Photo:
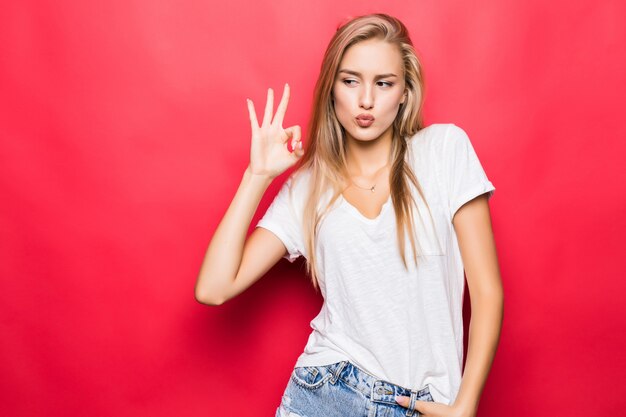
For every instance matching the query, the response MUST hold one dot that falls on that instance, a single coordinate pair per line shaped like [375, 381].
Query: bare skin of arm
[472, 223]
[233, 263]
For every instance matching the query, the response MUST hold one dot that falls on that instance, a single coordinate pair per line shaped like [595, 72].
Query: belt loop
[411, 410]
[337, 371]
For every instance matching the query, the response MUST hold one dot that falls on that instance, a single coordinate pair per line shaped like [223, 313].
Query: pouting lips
[365, 116]
[365, 120]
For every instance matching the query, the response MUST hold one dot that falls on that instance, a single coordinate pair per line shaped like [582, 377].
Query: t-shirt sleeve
[283, 218]
[466, 178]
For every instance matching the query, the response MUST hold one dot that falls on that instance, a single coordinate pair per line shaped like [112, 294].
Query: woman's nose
[366, 99]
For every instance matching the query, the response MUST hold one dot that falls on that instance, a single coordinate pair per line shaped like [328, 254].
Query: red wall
[123, 137]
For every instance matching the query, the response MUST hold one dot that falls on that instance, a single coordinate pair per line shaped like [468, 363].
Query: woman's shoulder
[441, 138]
[298, 181]
[431, 133]
[429, 139]
[300, 174]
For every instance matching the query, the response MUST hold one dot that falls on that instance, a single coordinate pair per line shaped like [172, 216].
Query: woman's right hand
[269, 154]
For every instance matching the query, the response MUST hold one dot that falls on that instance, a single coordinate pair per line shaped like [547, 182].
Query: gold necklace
[373, 187]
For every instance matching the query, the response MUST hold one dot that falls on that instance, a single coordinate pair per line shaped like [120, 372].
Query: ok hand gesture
[269, 154]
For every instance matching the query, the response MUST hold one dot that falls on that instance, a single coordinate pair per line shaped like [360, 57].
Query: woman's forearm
[484, 334]
[224, 253]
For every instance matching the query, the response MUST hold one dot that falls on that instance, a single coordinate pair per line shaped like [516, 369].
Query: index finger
[252, 113]
[282, 106]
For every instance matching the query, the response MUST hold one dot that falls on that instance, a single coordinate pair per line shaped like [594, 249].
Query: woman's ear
[403, 97]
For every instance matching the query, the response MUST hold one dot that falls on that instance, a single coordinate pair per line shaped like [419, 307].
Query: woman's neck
[365, 158]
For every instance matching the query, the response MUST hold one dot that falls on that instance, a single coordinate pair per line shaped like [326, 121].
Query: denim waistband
[377, 390]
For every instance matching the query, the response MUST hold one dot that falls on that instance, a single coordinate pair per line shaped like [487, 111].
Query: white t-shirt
[405, 327]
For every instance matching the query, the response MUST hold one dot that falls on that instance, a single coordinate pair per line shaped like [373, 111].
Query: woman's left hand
[433, 409]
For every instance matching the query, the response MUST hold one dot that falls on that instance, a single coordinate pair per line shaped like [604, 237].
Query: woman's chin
[365, 135]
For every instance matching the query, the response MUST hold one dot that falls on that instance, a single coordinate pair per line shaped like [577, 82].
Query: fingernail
[300, 144]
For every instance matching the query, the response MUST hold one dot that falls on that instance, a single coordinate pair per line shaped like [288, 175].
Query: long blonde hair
[325, 156]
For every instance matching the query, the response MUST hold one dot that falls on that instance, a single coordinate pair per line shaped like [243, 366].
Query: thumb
[402, 400]
[419, 404]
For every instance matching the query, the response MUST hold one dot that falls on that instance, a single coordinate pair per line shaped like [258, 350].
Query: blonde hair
[325, 156]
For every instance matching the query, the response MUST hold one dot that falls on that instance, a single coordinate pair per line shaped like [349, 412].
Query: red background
[124, 135]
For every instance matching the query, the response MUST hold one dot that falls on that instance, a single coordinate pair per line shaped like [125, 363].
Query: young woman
[388, 214]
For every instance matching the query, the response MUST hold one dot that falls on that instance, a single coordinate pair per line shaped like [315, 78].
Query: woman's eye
[384, 83]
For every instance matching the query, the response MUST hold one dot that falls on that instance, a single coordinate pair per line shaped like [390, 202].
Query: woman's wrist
[464, 410]
[260, 178]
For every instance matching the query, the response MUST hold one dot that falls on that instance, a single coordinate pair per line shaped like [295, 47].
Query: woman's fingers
[295, 133]
[282, 106]
[296, 142]
[252, 113]
[298, 150]
[269, 107]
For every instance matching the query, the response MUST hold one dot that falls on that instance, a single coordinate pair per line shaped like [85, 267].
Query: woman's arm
[232, 263]
[224, 254]
[472, 223]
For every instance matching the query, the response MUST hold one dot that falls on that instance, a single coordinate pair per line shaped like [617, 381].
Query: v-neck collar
[356, 213]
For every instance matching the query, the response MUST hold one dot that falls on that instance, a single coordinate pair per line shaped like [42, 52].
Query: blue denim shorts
[344, 390]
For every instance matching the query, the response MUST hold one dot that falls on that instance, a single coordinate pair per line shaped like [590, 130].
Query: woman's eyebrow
[358, 74]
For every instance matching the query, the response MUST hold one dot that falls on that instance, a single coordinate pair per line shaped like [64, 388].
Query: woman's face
[369, 81]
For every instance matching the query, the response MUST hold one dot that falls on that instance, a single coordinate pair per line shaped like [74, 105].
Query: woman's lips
[365, 120]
